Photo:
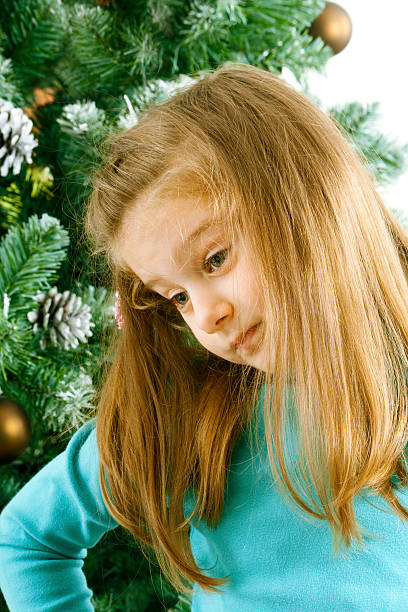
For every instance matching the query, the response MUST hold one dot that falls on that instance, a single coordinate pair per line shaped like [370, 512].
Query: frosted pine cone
[63, 315]
[16, 139]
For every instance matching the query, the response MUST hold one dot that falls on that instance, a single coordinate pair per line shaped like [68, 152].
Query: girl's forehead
[168, 226]
[173, 214]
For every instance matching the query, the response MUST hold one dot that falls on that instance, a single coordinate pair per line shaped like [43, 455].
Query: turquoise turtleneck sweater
[276, 560]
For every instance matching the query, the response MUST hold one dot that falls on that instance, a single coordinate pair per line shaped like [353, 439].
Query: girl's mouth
[246, 340]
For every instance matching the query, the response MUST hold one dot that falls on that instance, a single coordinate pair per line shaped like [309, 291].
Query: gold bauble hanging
[333, 25]
[15, 430]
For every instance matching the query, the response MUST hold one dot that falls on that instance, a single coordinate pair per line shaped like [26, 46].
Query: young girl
[252, 427]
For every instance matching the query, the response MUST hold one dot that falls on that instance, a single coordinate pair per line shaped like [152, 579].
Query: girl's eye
[215, 261]
[182, 302]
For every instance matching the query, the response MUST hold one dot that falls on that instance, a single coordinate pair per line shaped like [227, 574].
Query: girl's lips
[247, 339]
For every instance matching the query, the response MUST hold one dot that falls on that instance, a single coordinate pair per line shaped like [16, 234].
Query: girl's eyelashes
[210, 264]
[218, 260]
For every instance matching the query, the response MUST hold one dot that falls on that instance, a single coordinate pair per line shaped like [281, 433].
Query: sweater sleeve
[46, 529]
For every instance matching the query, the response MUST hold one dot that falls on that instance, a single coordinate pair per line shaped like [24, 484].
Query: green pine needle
[30, 256]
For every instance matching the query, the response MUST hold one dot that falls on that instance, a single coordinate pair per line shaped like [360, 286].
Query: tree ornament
[67, 320]
[15, 430]
[16, 139]
[334, 26]
[42, 97]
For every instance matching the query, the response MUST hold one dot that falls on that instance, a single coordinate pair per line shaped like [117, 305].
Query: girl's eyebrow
[190, 239]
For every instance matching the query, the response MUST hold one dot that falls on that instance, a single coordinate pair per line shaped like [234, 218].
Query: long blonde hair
[332, 262]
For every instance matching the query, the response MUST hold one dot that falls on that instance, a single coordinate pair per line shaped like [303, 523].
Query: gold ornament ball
[333, 25]
[15, 430]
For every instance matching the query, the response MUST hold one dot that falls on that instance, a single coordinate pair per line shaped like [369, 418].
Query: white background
[373, 67]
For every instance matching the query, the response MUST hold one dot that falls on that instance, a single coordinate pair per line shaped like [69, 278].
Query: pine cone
[67, 320]
[16, 139]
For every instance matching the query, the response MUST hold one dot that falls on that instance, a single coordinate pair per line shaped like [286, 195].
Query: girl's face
[178, 252]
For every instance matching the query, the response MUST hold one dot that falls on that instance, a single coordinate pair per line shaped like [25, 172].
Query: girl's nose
[211, 314]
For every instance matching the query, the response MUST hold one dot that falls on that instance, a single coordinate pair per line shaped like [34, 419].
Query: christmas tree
[71, 73]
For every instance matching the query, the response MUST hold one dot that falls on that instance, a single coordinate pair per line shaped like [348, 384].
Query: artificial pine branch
[30, 256]
[58, 397]
[8, 86]
[35, 37]
[11, 205]
[385, 158]
[15, 343]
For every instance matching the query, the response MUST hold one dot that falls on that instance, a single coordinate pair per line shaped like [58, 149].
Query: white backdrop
[373, 67]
